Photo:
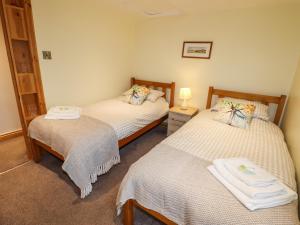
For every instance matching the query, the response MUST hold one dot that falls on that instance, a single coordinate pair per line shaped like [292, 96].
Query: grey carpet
[12, 153]
[39, 194]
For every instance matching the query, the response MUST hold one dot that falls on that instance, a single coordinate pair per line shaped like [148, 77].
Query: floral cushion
[261, 110]
[136, 95]
[236, 114]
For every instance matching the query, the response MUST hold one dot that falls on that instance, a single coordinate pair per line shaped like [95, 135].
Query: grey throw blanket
[89, 146]
[178, 185]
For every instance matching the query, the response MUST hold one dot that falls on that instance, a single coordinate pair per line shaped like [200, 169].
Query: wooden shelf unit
[18, 29]
[22, 56]
[26, 83]
[16, 3]
[16, 22]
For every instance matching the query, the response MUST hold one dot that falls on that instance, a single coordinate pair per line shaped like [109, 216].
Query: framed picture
[197, 49]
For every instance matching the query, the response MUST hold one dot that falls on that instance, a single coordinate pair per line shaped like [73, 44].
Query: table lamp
[185, 94]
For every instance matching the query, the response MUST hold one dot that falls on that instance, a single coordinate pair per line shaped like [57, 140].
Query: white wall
[9, 117]
[92, 47]
[255, 50]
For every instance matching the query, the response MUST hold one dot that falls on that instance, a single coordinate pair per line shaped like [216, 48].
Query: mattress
[172, 179]
[125, 118]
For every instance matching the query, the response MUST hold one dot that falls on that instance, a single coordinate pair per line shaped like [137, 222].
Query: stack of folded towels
[63, 113]
[250, 184]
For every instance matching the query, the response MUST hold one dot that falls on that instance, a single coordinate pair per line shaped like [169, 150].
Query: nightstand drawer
[175, 122]
[173, 128]
[170, 132]
[178, 117]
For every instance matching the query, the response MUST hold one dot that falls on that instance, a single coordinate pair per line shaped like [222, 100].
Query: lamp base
[183, 108]
[184, 105]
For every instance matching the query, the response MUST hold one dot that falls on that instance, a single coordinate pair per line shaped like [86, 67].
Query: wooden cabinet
[17, 22]
[178, 117]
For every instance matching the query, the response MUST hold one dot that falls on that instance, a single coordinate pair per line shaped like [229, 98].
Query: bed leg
[128, 214]
[36, 152]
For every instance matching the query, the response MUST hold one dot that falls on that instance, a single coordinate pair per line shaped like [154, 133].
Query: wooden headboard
[265, 99]
[158, 85]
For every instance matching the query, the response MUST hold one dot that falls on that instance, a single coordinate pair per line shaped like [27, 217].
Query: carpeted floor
[12, 153]
[39, 194]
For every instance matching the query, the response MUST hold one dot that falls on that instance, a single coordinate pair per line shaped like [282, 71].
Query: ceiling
[158, 8]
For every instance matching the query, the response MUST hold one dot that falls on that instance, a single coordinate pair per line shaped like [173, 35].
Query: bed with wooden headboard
[167, 88]
[130, 204]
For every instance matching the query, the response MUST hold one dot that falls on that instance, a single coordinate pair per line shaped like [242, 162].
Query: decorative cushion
[135, 95]
[154, 95]
[261, 110]
[236, 114]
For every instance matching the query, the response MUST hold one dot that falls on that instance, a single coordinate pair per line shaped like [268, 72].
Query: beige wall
[291, 124]
[91, 45]
[97, 48]
[9, 117]
[255, 50]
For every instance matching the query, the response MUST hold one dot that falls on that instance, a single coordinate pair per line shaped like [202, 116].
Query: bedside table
[178, 117]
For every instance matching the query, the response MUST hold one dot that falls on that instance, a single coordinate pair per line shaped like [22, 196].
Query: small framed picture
[197, 49]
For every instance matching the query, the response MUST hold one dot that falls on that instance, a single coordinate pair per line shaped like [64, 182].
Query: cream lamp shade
[185, 94]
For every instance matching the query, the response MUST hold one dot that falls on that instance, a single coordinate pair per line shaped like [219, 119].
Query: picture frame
[197, 49]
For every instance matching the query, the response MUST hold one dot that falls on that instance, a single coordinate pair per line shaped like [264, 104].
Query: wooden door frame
[13, 71]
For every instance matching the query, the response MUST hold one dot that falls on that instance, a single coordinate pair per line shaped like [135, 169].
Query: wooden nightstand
[178, 117]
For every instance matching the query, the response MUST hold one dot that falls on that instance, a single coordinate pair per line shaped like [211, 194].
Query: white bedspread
[173, 180]
[126, 118]
[263, 143]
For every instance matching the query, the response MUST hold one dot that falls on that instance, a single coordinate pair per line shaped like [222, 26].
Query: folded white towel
[253, 204]
[63, 112]
[252, 192]
[61, 117]
[249, 173]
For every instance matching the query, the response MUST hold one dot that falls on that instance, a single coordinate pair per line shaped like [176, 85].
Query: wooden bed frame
[37, 146]
[128, 208]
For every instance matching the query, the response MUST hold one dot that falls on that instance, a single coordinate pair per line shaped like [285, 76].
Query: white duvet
[126, 118]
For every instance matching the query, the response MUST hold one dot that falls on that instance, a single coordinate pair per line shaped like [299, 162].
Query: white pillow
[261, 110]
[128, 92]
[154, 95]
[125, 98]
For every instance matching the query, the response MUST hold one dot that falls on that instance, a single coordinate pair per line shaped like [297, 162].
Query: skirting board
[10, 135]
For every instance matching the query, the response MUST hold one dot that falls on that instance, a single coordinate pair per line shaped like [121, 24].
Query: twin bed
[128, 121]
[89, 145]
[172, 182]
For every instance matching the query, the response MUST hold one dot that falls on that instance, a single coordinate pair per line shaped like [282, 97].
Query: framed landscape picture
[197, 49]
